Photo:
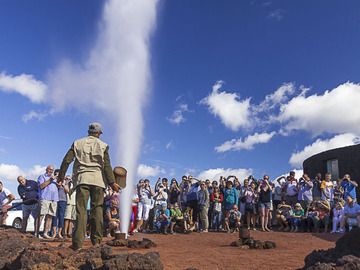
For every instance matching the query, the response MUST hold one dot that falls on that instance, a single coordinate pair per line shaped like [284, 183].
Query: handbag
[217, 207]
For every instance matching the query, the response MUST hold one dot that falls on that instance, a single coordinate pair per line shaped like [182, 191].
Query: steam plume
[115, 79]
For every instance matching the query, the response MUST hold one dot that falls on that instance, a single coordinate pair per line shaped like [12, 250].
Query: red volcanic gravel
[213, 250]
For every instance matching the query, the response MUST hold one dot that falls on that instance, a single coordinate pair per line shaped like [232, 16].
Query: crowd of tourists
[286, 204]
[192, 205]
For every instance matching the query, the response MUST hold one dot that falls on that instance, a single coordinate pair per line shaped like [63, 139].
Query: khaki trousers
[96, 194]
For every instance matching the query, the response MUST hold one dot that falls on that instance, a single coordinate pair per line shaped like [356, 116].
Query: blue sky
[253, 47]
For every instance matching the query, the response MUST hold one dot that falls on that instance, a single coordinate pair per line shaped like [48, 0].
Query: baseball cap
[95, 127]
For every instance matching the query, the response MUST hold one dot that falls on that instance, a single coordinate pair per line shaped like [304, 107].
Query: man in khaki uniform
[92, 172]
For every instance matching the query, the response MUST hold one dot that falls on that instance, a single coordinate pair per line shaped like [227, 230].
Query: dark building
[338, 162]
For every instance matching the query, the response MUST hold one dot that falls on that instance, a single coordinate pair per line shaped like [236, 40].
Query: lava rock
[269, 245]
[148, 261]
[345, 255]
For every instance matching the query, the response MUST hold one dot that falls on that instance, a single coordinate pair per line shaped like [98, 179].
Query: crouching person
[234, 219]
[112, 218]
[351, 214]
[296, 217]
[162, 219]
[177, 218]
[323, 216]
[338, 215]
[282, 216]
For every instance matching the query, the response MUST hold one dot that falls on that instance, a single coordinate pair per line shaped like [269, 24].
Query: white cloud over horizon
[229, 107]
[25, 85]
[149, 171]
[10, 172]
[214, 174]
[320, 145]
[247, 143]
[335, 111]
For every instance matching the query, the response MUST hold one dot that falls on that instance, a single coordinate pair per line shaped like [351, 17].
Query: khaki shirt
[92, 162]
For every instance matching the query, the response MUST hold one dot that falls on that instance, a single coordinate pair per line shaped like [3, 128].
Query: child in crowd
[297, 214]
[338, 214]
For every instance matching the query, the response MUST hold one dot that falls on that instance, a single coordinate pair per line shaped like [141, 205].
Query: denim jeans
[58, 220]
[216, 220]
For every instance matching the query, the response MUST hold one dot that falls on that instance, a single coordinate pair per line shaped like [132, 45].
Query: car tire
[17, 223]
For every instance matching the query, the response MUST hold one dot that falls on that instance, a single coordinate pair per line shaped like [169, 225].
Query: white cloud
[336, 111]
[24, 84]
[277, 98]
[33, 115]
[233, 112]
[169, 145]
[214, 174]
[149, 171]
[177, 116]
[277, 14]
[245, 144]
[10, 172]
[319, 146]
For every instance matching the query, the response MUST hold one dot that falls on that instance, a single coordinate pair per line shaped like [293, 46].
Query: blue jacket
[230, 196]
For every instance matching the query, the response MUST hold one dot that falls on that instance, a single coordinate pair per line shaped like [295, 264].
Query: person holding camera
[349, 187]
[264, 190]
[174, 192]
[305, 195]
[290, 189]
[145, 194]
[49, 196]
[59, 219]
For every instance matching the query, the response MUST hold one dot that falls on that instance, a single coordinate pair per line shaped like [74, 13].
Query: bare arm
[10, 198]
[46, 183]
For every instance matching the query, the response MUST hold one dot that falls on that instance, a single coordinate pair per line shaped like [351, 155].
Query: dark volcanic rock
[12, 244]
[144, 243]
[25, 252]
[345, 255]
[149, 261]
[246, 243]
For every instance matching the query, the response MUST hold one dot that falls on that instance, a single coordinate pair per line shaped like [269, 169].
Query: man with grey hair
[29, 193]
[49, 196]
[92, 172]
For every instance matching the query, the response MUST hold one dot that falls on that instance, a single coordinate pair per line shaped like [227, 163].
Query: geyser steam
[115, 79]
